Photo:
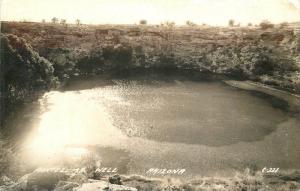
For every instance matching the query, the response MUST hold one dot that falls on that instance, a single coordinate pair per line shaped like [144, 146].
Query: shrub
[231, 22]
[266, 25]
[143, 22]
[119, 56]
[190, 23]
[283, 25]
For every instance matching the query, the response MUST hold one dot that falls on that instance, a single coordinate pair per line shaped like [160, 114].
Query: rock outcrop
[23, 71]
[60, 181]
[268, 55]
[103, 186]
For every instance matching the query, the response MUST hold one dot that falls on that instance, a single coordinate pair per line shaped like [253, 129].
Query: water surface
[206, 127]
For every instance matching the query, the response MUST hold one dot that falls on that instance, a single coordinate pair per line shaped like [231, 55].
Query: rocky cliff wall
[269, 55]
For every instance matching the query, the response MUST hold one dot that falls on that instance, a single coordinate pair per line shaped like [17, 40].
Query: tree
[63, 21]
[231, 23]
[43, 21]
[78, 22]
[249, 24]
[54, 20]
[143, 22]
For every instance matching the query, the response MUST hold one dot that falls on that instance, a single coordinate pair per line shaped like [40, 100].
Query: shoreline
[293, 100]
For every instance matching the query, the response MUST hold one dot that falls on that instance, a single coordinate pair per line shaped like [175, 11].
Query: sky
[213, 12]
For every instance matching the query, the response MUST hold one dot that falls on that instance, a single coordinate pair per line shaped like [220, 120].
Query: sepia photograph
[150, 95]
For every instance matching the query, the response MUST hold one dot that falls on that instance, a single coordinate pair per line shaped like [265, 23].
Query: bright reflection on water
[72, 119]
